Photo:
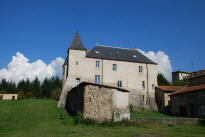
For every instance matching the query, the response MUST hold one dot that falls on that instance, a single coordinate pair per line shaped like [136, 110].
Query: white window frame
[114, 67]
[77, 80]
[97, 64]
[97, 79]
[140, 69]
[119, 83]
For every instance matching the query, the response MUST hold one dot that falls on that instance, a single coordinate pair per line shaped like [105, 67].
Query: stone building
[163, 99]
[189, 101]
[8, 96]
[197, 80]
[113, 66]
[98, 102]
[180, 75]
[197, 73]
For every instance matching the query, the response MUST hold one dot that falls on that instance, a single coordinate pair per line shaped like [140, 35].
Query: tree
[162, 81]
[26, 87]
[46, 88]
[184, 82]
[55, 93]
[21, 95]
[36, 88]
[9, 87]
[3, 92]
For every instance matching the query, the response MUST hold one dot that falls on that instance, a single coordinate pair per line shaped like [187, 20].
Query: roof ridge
[114, 47]
[77, 43]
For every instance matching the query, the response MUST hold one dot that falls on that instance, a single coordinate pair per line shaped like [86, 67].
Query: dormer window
[97, 52]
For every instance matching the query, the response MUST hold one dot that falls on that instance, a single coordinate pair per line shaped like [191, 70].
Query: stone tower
[76, 49]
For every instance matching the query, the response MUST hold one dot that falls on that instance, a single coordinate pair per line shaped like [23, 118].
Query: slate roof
[120, 54]
[77, 43]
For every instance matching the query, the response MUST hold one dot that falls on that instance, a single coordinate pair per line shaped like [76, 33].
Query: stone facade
[189, 102]
[162, 96]
[8, 96]
[197, 80]
[98, 102]
[141, 84]
[180, 75]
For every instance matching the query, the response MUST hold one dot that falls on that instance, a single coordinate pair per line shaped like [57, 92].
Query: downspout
[148, 88]
[102, 71]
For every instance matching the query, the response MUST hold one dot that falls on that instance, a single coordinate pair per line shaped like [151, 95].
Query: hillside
[41, 118]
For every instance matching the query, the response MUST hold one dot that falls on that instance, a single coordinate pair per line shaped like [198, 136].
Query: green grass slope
[41, 118]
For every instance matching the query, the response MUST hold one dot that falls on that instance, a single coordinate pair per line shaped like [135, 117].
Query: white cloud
[20, 68]
[163, 61]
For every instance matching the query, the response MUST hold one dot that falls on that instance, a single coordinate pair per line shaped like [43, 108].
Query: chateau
[112, 66]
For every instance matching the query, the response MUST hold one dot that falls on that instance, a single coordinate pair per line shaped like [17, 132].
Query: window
[140, 68]
[143, 84]
[143, 98]
[78, 80]
[119, 83]
[153, 86]
[97, 79]
[97, 64]
[76, 63]
[114, 67]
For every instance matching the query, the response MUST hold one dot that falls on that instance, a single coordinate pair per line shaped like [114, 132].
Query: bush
[3, 92]
[78, 118]
[131, 108]
[21, 95]
[55, 94]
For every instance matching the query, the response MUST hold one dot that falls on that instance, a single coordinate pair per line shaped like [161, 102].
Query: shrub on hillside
[21, 95]
[3, 92]
[55, 93]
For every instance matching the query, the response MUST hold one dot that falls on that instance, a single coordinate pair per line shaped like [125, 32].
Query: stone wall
[98, 102]
[190, 104]
[162, 100]
[172, 121]
[197, 80]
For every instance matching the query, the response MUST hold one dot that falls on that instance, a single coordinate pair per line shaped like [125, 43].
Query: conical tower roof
[77, 43]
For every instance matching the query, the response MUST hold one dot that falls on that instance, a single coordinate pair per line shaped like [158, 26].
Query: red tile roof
[88, 50]
[170, 88]
[189, 89]
[200, 75]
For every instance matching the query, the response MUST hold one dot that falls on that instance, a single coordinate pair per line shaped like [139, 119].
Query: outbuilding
[189, 101]
[8, 96]
[98, 102]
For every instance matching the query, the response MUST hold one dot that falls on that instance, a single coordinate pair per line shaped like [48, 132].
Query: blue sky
[44, 29]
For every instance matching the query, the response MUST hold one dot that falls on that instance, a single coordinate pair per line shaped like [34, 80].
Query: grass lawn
[41, 118]
[149, 114]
